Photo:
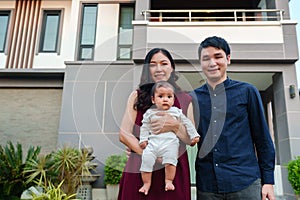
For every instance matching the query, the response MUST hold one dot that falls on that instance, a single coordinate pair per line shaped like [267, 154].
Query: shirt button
[217, 165]
[215, 121]
[216, 150]
[215, 95]
[215, 107]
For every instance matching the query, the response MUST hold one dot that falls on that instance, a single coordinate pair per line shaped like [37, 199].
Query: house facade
[67, 67]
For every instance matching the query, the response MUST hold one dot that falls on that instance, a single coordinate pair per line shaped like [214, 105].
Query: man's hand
[165, 124]
[267, 192]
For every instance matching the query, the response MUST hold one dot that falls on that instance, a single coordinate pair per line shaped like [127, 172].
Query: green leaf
[113, 169]
[294, 174]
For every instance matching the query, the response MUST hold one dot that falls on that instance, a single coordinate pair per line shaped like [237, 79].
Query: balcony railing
[213, 15]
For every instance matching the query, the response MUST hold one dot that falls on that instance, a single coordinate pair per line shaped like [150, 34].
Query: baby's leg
[148, 160]
[170, 171]
[146, 177]
[169, 154]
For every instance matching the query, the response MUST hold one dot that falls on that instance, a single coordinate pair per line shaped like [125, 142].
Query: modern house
[68, 66]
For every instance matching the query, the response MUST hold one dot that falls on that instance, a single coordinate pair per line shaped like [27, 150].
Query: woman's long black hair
[146, 83]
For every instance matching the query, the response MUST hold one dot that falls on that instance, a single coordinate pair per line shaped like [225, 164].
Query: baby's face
[163, 98]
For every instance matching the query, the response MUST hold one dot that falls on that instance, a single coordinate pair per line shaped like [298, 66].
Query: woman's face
[160, 67]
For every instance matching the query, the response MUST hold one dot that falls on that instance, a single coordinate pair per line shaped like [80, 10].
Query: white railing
[213, 15]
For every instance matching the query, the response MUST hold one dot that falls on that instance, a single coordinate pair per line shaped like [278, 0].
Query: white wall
[68, 40]
[235, 33]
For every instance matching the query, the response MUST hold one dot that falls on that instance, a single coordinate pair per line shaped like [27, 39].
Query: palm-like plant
[72, 165]
[53, 192]
[66, 161]
[40, 170]
[12, 180]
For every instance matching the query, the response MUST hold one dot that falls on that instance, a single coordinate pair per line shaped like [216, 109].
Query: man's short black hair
[216, 42]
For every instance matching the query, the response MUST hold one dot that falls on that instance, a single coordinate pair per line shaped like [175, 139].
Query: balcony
[212, 15]
[254, 34]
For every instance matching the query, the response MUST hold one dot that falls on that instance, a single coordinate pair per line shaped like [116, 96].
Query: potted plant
[114, 166]
[294, 175]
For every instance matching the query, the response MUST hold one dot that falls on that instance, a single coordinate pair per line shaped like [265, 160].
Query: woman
[158, 66]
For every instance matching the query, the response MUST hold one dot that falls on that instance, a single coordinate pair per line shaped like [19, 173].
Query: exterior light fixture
[292, 91]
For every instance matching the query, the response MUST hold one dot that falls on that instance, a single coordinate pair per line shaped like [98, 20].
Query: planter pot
[112, 191]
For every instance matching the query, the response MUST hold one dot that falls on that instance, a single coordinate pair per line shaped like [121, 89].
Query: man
[236, 155]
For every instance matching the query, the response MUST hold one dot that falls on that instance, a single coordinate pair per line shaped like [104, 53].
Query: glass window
[4, 20]
[88, 32]
[50, 31]
[125, 31]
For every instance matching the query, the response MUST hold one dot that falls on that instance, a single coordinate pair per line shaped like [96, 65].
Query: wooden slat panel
[23, 41]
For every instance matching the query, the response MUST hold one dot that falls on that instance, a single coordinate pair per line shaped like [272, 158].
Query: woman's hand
[166, 123]
[143, 144]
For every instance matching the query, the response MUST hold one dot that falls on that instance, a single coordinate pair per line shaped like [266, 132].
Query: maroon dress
[131, 180]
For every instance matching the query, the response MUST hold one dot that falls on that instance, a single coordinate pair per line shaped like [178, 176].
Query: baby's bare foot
[169, 186]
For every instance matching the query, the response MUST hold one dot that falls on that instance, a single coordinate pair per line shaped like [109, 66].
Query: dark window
[88, 32]
[50, 31]
[4, 21]
[125, 31]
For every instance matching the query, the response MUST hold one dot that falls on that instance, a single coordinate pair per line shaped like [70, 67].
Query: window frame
[45, 14]
[124, 5]
[80, 45]
[4, 13]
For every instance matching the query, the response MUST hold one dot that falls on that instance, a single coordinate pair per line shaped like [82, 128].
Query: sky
[295, 15]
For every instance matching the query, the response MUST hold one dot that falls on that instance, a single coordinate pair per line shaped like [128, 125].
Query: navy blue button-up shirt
[235, 147]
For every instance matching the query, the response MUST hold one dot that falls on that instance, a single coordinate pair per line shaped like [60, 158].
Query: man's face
[214, 64]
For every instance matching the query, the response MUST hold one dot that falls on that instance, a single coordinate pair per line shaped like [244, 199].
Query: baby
[164, 145]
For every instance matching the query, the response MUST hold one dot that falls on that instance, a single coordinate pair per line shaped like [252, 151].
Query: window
[50, 31]
[4, 21]
[88, 32]
[125, 32]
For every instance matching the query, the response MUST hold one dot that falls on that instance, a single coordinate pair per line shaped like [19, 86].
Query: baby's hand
[195, 141]
[143, 144]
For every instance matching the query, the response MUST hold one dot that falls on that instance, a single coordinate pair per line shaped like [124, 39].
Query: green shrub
[12, 164]
[114, 166]
[61, 170]
[294, 174]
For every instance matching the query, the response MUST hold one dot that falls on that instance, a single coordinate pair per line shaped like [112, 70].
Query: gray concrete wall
[94, 99]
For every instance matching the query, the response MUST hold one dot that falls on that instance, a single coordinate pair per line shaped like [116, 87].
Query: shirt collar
[223, 84]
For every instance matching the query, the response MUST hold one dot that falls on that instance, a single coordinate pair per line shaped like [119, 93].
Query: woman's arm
[125, 134]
